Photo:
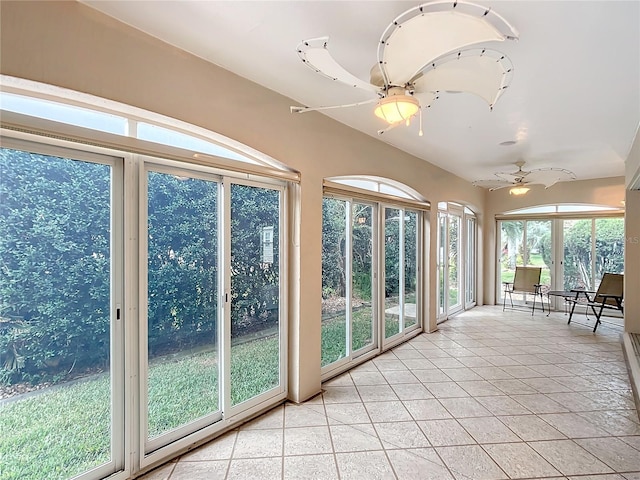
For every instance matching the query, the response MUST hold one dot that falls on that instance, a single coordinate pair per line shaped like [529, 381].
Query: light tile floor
[488, 396]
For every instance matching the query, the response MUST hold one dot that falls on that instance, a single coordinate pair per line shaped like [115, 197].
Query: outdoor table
[573, 293]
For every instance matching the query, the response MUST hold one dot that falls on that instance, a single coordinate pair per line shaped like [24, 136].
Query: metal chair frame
[609, 296]
[525, 280]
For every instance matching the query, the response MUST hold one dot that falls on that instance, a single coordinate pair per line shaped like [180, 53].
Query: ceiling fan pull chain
[420, 131]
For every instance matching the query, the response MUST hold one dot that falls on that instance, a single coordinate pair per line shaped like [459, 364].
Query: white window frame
[81, 141]
[156, 450]
[119, 463]
[344, 191]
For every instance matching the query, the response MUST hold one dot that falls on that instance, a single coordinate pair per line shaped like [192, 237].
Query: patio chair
[526, 280]
[609, 296]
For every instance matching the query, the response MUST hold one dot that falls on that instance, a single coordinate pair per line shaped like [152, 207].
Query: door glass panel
[538, 248]
[55, 316]
[609, 246]
[392, 271]
[182, 314]
[255, 291]
[511, 244]
[578, 254]
[410, 267]
[454, 256]
[470, 275]
[442, 263]
[334, 300]
[362, 320]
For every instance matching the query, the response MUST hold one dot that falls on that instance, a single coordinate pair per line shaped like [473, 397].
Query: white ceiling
[574, 101]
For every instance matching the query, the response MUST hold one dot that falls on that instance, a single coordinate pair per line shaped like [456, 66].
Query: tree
[578, 251]
[513, 231]
[182, 262]
[609, 246]
[55, 264]
[333, 247]
[255, 279]
[362, 250]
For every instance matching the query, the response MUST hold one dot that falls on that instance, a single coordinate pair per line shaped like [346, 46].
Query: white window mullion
[224, 277]
[135, 329]
[143, 330]
[132, 128]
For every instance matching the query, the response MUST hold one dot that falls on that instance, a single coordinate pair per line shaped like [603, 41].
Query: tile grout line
[233, 449]
[333, 447]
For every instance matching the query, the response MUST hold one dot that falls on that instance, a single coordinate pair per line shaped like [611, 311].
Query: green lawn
[66, 428]
[334, 334]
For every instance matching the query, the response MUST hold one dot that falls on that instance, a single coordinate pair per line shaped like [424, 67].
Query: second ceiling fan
[520, 179]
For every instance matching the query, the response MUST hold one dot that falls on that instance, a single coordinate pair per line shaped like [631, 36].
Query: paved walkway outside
[491, 395]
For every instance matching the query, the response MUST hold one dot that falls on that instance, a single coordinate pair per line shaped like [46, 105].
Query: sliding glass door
[142, 304]
[456, 264]
[393, 284]
[442, 265]
[526, 243]
[592, 246]
[348, 283]
[61, 328]
[363, 325]
[401, 267]
[256, 334]
[214, 339]
[572, 252]
[411, 279]
[183, 325]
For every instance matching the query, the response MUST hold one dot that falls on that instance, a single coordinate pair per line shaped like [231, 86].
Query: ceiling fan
[423, 52]
[520, 179]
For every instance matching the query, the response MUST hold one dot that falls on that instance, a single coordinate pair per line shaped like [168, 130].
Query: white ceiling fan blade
[426, 98]
[485, 73]
[492, 184]
[427, 32]
[550, 176]
[297, 109]
[314, 53]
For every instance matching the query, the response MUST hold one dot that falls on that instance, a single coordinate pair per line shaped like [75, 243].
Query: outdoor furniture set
[608, 297]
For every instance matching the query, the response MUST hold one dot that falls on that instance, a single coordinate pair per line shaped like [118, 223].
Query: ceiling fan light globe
[518, 190]
[397, 108]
